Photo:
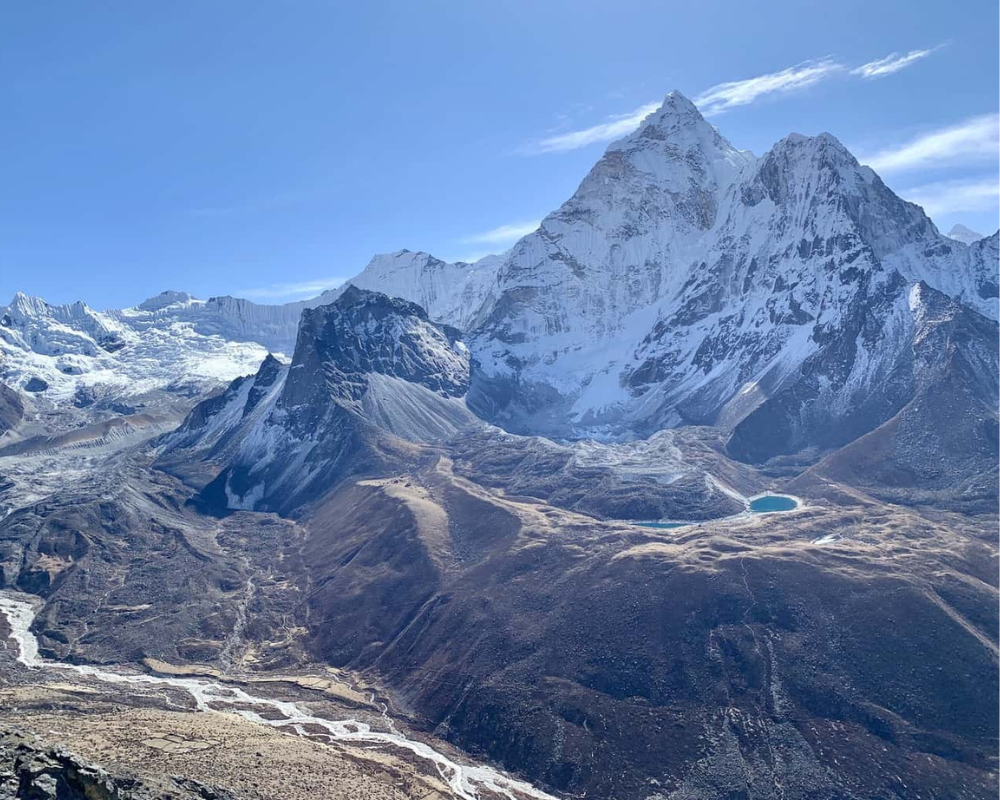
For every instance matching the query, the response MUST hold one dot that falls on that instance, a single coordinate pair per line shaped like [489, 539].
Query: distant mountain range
[686, 282]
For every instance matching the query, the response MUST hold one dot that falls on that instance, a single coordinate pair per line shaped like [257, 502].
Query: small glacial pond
[765, 504]
[772, 502]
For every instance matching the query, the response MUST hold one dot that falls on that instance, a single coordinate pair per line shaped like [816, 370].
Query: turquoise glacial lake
[772, 502]
[761, 505]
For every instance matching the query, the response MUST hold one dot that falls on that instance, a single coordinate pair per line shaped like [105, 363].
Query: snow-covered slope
[982, 292]
[454, 294]
[216, 426]
[232, 318]
[623, 241]
[812, 246]
[73, 354]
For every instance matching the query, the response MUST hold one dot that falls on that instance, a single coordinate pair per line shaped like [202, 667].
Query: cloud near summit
[729, 95]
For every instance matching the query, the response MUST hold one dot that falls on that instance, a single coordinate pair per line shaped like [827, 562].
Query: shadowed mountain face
[371, 379]
[369, 372]
[937, 440]
[11, 408]
[695, 327]
[927, 346]
[363, 333]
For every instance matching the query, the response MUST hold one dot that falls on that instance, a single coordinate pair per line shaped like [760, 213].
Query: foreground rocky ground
[31, 769]
[95, 741]
[149, 753]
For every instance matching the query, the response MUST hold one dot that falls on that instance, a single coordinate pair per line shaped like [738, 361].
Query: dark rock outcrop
[32, 770]
[11, 408]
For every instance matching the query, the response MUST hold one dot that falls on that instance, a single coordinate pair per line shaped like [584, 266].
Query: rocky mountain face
[372, 373]
[216, 426]
[983, 255]
[368, 370]
[367, 333]
[11, 408]
[891, 351]
[930, 427]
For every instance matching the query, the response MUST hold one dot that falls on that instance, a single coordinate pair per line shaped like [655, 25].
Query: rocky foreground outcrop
[32, 770]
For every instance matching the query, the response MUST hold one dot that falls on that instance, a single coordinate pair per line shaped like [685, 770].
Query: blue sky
[269, 149]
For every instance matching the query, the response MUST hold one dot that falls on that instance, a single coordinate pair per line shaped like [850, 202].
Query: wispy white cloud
[715, 100]
[724, 96]
[614, 128]
[291, 291]
[956, 196]
[504, 234]
[975, 139]
[893, 62]
[498, 239]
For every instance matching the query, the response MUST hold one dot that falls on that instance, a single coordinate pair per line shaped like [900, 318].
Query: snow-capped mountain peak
[166, 299]
[452, 293]
[72, 354]
[73, 328]
[960, 233]
[685, 280]
[26, 305]
[685, 275]
[677, 135]
[823, 157]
